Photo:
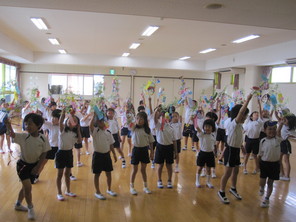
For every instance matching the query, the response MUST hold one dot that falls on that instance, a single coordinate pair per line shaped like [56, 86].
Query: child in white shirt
[103, 143]
[176, 124]
[206, 156]
[142, 140]
[232, 152]
[53, 137]
[34, 147]
[252, 130]
[269, 158]
[166, 148]
[69, 135]
[113, 127]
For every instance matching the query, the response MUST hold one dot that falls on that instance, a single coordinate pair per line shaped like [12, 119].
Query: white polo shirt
[31, 147]
[270, 149]
[285, 132]
[207, 141]
[235, 134]
[165, 136]
[177, 129]
[188, 113]
[53, 135]
[140, 138]
[253, 128]
[113, 126]
[67, 140]
[102, 140]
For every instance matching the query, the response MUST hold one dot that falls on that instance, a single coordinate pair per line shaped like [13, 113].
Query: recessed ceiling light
[150, 30]
[207, 50]
[184, 58]
[247, 38]
[62, 51]
[40, 24]
[54, 41]
[126, 54]
[134, 45]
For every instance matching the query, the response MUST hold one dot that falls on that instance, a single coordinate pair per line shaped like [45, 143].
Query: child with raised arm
[69, 135]
[232, 152]
[252, 130]
[53, 137]
[142, 140]
[126, 112]
[176, 124]
[206, 156]
[114, 129]
[103, 143]
[188, 130]
[288, 131]
[34, 147]
[166, 148]
[269, 159]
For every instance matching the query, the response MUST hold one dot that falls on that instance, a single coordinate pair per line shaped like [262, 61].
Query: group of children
[152, 135]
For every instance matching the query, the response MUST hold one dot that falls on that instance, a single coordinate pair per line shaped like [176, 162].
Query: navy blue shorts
[85, 132]
[269, 170]
[116, 144]
[125, 132]
[221, 135]
[24, 170]
[101, 162]
[64, 159]
[231, 156]
[140, 154]
[252, 145]
[205, 158]
[164, 153]
[51, 153]
[286, 147]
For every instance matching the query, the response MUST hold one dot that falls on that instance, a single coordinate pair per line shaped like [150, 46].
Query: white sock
[208, 178]
[197, 178]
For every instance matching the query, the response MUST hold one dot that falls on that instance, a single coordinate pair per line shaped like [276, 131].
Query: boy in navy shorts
[34, 147]
[269, 159]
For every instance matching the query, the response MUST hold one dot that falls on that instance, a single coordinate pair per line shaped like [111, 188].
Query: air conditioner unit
[291, 61]
[232, 70]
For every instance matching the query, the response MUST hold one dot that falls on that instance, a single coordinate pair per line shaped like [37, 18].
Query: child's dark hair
[211, 123]
[251, 116]
[269, 123]
[37, 119]
[141, 102]
[146, 125]
[75, 129]
[109, 110]
[141, 108]
[52, 104]
[56, 113]
[235, 110]
[291, 121]
[213, 116]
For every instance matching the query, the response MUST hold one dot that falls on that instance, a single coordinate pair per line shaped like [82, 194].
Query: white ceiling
[97, 32]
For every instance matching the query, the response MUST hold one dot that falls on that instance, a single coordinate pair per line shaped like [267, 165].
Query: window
[7, 81]
[77, 84]
[294, 74]
[88, 85]
[57, 84]
[281, 74]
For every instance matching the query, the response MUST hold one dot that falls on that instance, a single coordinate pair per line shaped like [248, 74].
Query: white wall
[130, 85]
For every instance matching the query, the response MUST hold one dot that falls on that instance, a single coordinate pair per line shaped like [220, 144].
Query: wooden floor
[184, 202]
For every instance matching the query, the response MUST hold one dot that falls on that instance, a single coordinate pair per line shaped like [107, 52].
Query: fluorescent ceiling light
[126, 54]
[62, 51]
[54, 41]
[184, 58]
[134, 45]
[207, 50]
[247, 38]
[150, 30]
[40, 24]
